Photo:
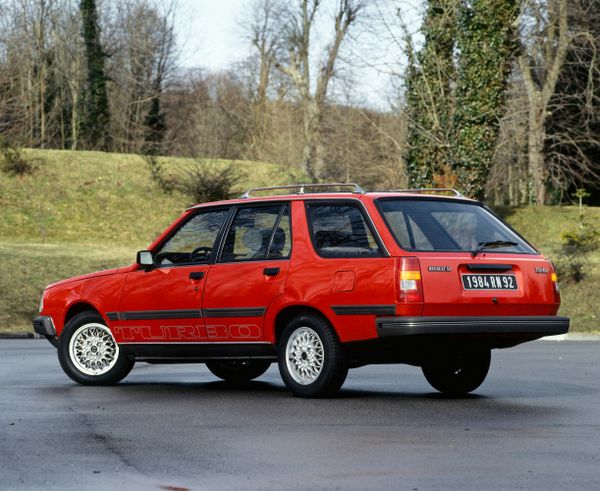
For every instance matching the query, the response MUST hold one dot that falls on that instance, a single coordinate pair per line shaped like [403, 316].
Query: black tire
[112, 368]
[332, 367]
[238, 371]
[459, 374]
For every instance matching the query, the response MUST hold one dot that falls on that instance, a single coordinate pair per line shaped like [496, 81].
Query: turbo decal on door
[198, 333]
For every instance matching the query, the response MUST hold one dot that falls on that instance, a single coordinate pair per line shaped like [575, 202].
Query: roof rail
[429, 191]
[302, 187]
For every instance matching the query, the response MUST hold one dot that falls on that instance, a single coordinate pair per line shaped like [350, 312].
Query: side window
[281, 247]
[194, 240]
[260, 232]
[341, 231]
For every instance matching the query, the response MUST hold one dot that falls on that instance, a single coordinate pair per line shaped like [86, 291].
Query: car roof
[418, 194]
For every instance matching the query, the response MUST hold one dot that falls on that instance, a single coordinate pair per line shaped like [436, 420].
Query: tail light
[410, 287]
[555, 287]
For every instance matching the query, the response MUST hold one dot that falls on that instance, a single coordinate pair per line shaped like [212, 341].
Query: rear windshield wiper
[494, 243]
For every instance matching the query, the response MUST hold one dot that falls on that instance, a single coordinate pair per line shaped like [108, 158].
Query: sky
[209, 32]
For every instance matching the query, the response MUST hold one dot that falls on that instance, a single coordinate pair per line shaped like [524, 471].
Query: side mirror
[145, 259]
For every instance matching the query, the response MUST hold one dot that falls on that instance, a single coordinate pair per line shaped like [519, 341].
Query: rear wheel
[312, 362]
[238, 371]
[459, 374]
[88, 352]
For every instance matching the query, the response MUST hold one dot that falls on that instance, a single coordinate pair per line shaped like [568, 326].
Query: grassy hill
[84, 211]
[96, 197]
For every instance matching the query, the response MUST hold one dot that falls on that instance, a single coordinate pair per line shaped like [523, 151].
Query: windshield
[440, 225]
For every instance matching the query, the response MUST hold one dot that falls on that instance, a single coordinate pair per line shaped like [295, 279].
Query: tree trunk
[535, 152]
[552, 50]
[310, 141]
[536, 164]
[75, 120]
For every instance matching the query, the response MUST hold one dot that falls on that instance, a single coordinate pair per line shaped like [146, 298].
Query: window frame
[229, 222]
[448, 200]
[365, 215]
[187, 219]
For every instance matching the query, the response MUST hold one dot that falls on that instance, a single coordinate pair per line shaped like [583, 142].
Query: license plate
[489, 281]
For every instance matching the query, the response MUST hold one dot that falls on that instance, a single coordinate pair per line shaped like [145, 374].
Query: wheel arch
[291, 311]
[77, 308]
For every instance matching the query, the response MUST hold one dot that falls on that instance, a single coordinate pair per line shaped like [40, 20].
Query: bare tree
[262, 34]
[546, 38]
[142, 59]
[294, 60]
[40, 71]
[572, 147]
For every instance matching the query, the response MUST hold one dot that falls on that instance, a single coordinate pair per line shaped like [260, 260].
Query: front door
[249, 273]
[164, 305]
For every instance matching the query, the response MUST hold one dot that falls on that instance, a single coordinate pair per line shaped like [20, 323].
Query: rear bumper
[530, 327]
[45, 326]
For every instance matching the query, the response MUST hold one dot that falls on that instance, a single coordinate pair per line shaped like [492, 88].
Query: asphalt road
[534, 424]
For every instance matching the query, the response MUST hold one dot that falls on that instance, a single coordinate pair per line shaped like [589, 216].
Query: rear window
[438, 225]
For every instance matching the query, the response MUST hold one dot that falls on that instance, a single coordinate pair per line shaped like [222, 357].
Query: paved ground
[534, 424]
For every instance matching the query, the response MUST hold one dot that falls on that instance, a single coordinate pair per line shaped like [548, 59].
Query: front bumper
[530, 327]
[45, 326]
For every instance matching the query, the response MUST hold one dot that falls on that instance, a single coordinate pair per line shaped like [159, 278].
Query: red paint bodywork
[305, 280]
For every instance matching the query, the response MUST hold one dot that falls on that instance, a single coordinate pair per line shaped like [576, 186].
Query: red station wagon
[319, 282]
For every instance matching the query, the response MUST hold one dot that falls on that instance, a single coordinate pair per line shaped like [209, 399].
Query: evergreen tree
[96, 120]
[429, 91]
[486, 43]
[155, 127]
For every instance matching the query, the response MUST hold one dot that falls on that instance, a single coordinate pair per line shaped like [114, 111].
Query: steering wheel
[200, 254]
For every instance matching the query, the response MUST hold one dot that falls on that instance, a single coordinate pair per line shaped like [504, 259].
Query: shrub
[576, 245]
[12, 162]
[209, 182]
[166, 183]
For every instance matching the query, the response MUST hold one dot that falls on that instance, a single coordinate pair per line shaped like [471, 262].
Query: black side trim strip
[364, 309]
[242, 312]
[407, 326]
[197, 352]
[139, 315]
[491, 267]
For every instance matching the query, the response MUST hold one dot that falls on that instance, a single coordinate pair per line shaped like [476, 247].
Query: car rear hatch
[471, 263]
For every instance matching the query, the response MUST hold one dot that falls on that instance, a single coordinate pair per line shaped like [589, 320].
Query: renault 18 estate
[320, 279]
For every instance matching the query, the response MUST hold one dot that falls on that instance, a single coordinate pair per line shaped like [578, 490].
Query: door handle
[196, 275]
[271, 271]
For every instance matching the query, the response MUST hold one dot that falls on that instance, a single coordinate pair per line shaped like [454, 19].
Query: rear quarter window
[340, 230]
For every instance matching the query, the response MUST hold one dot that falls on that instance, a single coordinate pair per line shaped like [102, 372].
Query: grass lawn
[28, 267]
[85, 211]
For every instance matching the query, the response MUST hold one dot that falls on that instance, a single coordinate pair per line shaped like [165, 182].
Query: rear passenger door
[352, 276]
[249, 273]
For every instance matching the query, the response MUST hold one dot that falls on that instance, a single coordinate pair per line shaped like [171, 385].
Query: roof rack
[302, 187]
[429, 191]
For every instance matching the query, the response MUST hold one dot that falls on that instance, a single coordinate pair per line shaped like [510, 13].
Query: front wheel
[312, 361]
[88, 352]
[238, 371]
[460, 374]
